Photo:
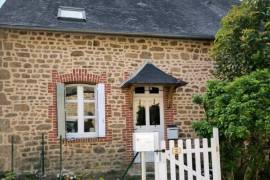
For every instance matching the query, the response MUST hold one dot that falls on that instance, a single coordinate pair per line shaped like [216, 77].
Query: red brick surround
[78, 76]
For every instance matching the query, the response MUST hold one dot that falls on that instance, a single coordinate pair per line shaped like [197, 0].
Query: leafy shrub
[241, 111]
[242, 44]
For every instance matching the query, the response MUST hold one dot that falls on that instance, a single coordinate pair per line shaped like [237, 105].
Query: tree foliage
[242, 44]
[241, 111]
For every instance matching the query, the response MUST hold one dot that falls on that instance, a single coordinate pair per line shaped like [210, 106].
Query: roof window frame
[67, 8]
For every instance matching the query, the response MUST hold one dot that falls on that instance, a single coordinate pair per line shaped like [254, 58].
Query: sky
[1, 2]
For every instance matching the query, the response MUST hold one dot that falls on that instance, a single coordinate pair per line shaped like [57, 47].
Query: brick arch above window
[84, 77]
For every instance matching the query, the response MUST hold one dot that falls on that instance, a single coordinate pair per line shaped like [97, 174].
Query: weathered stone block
[22, 128]
[4, 74]
[77, 53]
[31, 81]
[115, 46]
[108, 57]
[5, 150]
[27, 65]
[15, 64]
[156, 49]
[43, 127]
[145, 55]
[3, 99]
[185, 56]
[21, 107]
[80, 42]
[159, 55]
[23, 54]
[96, 43]
[131, 55]
[121, 150]
[19, 45]
[3, 34]
[8, 46]
[99, 150]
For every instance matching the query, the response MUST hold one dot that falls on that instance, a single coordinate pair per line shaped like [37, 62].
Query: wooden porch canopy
[149, 74]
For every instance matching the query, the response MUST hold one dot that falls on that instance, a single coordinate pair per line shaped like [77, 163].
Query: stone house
[94, 72]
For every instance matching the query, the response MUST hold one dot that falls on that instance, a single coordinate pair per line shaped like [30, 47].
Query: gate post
[161, 163]
[215, 155]
[143, 165]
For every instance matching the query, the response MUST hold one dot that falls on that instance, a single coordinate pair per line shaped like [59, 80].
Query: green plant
[241, 111]
[9, 175]
[242, 43]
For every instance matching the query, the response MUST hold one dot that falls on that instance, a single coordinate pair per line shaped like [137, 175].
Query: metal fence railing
[40, 170]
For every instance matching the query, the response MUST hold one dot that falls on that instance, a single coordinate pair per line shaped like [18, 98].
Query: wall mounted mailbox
[172, 132]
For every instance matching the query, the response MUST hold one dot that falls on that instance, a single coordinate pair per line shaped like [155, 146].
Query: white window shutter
[101, 109]
[61, 119]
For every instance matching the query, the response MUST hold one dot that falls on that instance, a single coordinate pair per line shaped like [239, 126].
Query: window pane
[141, 116]
[89, 109]
[89, 125]
[71, 109]
[71, 93]
[154, 112]
[72, 126]
[89, 93]
[153, 90]
[139, 90]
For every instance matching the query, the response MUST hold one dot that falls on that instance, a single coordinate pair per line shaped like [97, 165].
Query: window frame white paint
[80, 112]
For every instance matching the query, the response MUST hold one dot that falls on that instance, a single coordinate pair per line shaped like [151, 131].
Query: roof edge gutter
[37, 28]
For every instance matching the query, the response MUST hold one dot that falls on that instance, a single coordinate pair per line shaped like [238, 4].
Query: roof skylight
[71, 13]
[2, 2]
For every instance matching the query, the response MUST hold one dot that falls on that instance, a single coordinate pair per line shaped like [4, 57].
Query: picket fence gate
[189, 159]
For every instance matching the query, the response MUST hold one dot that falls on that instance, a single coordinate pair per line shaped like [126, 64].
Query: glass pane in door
[154, 112]
[140, 115]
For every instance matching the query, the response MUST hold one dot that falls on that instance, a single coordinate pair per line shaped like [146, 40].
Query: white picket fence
[189, 159]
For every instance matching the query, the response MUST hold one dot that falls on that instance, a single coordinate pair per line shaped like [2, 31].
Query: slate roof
[197, 19]
[150, 74]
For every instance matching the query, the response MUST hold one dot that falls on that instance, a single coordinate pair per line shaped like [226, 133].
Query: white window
[81, 110]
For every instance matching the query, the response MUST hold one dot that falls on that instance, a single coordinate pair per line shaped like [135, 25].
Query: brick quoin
[77, 76]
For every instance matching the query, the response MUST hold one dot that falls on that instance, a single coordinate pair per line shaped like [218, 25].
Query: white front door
[148, 113]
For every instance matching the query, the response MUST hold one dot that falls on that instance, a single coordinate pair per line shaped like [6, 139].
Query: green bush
[242, 44]
[241, 111]
[9, 175]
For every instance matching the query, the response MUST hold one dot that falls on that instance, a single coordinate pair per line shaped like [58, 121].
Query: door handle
[160, 150]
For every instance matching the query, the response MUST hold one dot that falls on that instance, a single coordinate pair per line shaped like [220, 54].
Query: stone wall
[31, 62]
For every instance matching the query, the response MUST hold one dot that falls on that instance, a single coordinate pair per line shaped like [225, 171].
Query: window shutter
[61, 119]
[101, 109]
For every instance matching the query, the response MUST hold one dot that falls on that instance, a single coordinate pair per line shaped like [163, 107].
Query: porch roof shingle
[150, 74]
